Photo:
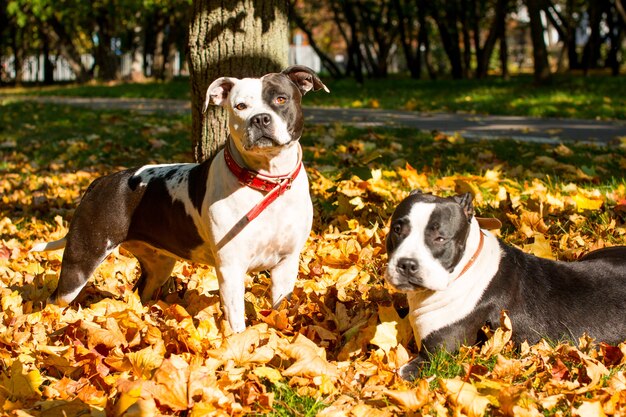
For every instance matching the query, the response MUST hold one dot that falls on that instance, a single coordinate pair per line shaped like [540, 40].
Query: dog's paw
[410, 370]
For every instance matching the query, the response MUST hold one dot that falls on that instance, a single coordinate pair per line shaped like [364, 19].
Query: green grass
[592, 97]
[176, 89]
[288, 403]
[51, 135]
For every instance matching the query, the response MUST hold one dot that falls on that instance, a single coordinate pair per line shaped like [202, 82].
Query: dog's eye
[280, 100]
[397, 228]
[241, 106]
[440, 239]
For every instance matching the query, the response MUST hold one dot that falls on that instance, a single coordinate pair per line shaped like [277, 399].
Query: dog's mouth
[266, 142]
[404, 284]
[263, 141]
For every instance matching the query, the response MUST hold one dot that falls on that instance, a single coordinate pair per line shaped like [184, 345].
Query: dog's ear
[218, 91]
[305, 78]
[414, 192]
[465, 201]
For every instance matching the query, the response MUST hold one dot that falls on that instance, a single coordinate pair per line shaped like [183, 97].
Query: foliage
[333, 349]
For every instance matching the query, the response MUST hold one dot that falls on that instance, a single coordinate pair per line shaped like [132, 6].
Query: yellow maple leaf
[310, 360]
[171, 382]
[21, 384]
[591, 408]
[272, 374]
[403, 325]
[386, 336]
[584, 203]
[243, 348]
[412, 400]
[540, 247]
[144, 361]
[500, 338]
[466, 396]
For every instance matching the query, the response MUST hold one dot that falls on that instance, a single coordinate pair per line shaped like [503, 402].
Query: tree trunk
[591, 51]
[423, 40]
[327, 62]
[616, 36]
[406, 22]
[158, 58]
[137, 51]
[246, 38]
[67, 49]
[106, 60]
[449, 33]
[540, 51]
[496, 31]
[48, 66]
[16, 45]
[504, 55]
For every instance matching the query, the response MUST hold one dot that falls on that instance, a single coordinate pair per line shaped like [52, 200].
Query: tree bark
[540, 51]
[247, 38]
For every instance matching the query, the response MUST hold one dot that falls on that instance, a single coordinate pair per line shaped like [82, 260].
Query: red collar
[474, 256]
[274, 185]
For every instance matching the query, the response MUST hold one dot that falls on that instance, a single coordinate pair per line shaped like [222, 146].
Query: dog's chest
[279, 230]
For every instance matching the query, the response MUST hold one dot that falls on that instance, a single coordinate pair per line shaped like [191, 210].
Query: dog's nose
[261, 120]
[406, 266]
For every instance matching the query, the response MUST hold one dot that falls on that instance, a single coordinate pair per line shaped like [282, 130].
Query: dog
[458, 277]
[247, 209]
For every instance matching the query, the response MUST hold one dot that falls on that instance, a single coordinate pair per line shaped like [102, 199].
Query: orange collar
[469, 263]
[274, 185]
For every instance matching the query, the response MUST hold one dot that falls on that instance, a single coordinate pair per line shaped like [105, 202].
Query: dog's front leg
[231, 279]
[284, 277]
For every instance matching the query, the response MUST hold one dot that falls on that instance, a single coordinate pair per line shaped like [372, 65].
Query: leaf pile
[343, 334]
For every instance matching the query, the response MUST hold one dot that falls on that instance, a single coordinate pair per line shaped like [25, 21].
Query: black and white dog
[458, 277]
[248, 209]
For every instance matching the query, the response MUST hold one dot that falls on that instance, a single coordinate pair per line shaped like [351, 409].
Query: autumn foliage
[342, 335]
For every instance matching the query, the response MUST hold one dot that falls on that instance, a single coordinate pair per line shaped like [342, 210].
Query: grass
[288, 402]
[592, 97]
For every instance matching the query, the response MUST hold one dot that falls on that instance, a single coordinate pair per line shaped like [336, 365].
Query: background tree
[540, 51]
[241, 38]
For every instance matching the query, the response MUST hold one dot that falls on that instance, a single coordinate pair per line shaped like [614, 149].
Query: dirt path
[549, 130]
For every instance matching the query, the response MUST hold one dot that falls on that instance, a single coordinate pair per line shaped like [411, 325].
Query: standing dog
[458, 277]
[248, 209]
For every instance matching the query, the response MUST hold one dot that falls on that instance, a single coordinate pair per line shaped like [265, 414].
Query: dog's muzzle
[261, 132]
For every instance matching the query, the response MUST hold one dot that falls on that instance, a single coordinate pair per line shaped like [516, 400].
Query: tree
[540, 51]
[242, 38]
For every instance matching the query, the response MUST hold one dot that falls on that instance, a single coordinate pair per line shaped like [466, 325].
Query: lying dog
[248, 209]
[458, 277]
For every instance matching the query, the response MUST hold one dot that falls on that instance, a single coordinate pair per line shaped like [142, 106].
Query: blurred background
[57, 41]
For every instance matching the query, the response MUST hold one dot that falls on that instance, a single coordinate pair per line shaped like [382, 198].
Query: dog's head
[427, 240]
[264, 112]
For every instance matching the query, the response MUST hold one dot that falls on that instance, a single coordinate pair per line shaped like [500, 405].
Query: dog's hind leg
[156, 268]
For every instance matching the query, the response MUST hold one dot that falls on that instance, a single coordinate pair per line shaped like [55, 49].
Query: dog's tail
[48, 246]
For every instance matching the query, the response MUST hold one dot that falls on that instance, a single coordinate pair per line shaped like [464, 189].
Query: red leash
[274, 185]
